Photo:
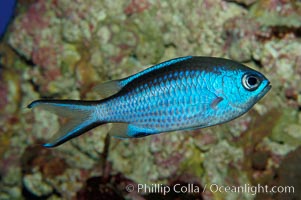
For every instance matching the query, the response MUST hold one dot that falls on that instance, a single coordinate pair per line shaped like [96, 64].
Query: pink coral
[136, 6]
[35, 18]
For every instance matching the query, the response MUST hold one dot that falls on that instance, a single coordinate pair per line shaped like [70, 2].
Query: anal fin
[124, 130]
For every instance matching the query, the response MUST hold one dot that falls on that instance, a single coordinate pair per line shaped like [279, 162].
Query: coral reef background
[62, 48]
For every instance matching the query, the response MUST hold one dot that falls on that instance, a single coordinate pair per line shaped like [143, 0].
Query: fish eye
[250, 81]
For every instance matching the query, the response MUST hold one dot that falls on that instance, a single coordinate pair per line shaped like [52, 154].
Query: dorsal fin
[108, 88]
[125, 81]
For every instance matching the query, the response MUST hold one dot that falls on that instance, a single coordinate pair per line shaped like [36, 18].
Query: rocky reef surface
[62, 48]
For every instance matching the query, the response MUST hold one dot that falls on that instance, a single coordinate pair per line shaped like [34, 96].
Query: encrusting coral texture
[61, 49]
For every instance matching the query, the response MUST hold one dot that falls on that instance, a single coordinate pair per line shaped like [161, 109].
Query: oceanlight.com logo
[251, 189]
[192, 188]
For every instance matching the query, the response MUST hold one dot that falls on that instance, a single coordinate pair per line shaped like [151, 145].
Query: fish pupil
[252, 81]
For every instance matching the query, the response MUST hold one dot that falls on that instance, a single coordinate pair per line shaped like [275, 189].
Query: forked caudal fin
[81, 116]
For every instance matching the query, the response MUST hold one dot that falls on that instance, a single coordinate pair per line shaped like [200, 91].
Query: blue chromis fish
[180, 94]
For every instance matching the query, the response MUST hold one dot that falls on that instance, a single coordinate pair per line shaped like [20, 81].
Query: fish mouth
[269, 86]
[265, 90]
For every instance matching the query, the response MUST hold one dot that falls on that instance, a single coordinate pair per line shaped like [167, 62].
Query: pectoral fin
[215, 102]
[124, 130]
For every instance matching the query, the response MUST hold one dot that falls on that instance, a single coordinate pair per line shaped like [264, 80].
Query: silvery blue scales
[180, 94]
